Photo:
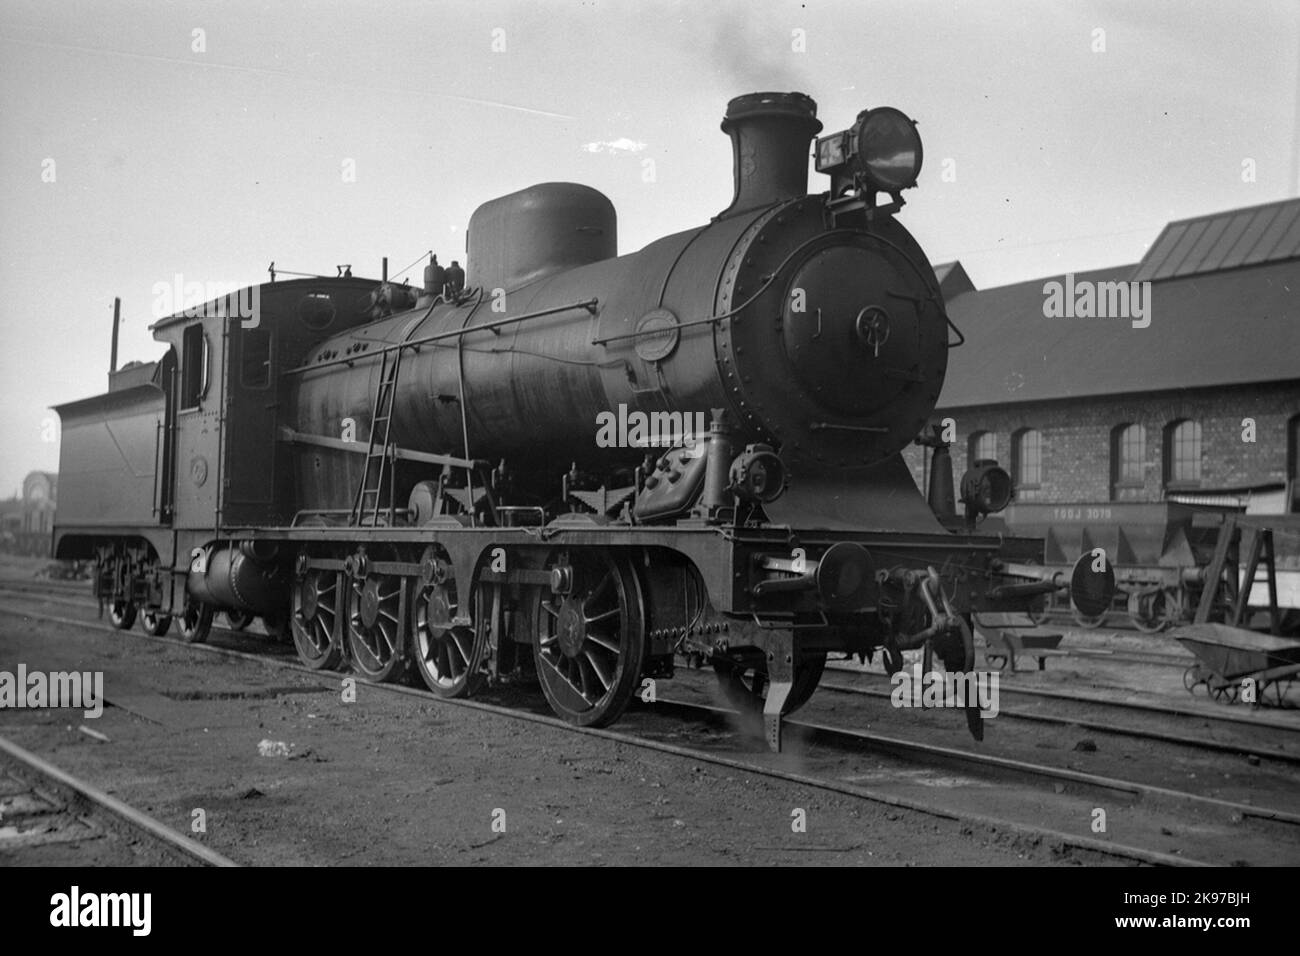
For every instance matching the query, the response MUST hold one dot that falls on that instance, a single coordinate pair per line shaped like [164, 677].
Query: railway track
[48, 818]
[1032, 801]
[1246, 734]
[1226, 716]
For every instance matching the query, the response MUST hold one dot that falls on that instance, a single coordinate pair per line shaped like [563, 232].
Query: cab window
[255, 358]
[194, 366]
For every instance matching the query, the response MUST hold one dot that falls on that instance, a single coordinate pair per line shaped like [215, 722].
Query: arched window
[1128, 456]
[982, 445]
[1027, 458]
[1183, 453]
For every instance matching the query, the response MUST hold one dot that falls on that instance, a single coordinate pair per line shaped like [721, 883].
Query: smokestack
[770, 136]
[117, 318]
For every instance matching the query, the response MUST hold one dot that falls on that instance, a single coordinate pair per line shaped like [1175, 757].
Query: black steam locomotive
[580, 467]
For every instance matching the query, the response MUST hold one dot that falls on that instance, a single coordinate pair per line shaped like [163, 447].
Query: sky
[140, 141]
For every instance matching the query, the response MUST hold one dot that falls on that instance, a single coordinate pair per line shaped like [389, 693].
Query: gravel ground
[391, 779]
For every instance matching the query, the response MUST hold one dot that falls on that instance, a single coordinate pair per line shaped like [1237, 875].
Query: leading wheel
[743, 680]
[589, 639]
[447, 653]
[195, 622]
[279, 627]
[315, 620]
[375, 632]
[238, 620]
[155, 623]
[122, 614]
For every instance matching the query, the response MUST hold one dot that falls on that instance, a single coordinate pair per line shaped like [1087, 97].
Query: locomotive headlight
[888, 148]
[757, 474]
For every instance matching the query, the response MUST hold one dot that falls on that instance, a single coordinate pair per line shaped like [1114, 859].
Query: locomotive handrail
[797, 250]
[397, 452]
[589, 304]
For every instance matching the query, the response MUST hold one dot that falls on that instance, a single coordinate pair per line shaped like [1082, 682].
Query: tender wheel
[195, 622]
[155, 623]
[122, 614]
[589, 642]
[238, 620]
[1088, 621]
[374, 626]
[448, 656]
[1192, 678]
[743, 681]
[315, 620]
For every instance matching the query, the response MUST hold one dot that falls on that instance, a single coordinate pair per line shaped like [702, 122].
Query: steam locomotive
[429, 480]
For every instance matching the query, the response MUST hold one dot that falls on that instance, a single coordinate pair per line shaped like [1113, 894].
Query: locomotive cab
[227, 390]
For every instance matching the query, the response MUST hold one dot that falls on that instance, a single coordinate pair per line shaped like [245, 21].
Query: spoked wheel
[315, 620]
[1173, 607]
[374, 626]
[122, 614]
[155, 623]
[1225, 693]
[589, 641]
[238, 620]
[744, 682]
[1088, 621]
[448, 655]
[1193, 678]
[195, 622]
[1147, 612]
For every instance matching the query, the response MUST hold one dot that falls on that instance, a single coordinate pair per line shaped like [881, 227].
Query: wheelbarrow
[1003, 646]
[1226, 656]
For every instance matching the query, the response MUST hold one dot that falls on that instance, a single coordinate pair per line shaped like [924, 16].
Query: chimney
[770, 136]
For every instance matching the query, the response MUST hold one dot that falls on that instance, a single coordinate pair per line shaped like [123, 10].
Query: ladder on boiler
[368, 502]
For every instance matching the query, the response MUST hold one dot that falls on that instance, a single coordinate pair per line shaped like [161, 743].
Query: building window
[1027, 458]
[194, 366]
[1128, 455]
[983, 446]
[1183, 453]
[255, 358]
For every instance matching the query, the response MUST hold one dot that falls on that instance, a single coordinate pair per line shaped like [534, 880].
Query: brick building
[1089, 388]
[27, 519]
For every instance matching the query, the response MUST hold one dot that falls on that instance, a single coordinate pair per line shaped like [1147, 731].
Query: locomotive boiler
[431, 478]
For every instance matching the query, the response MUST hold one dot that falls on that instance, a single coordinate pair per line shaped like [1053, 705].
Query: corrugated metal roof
[1224, 328]
[1223, 240]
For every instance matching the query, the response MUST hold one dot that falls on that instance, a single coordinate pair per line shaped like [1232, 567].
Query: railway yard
[1101, 758]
